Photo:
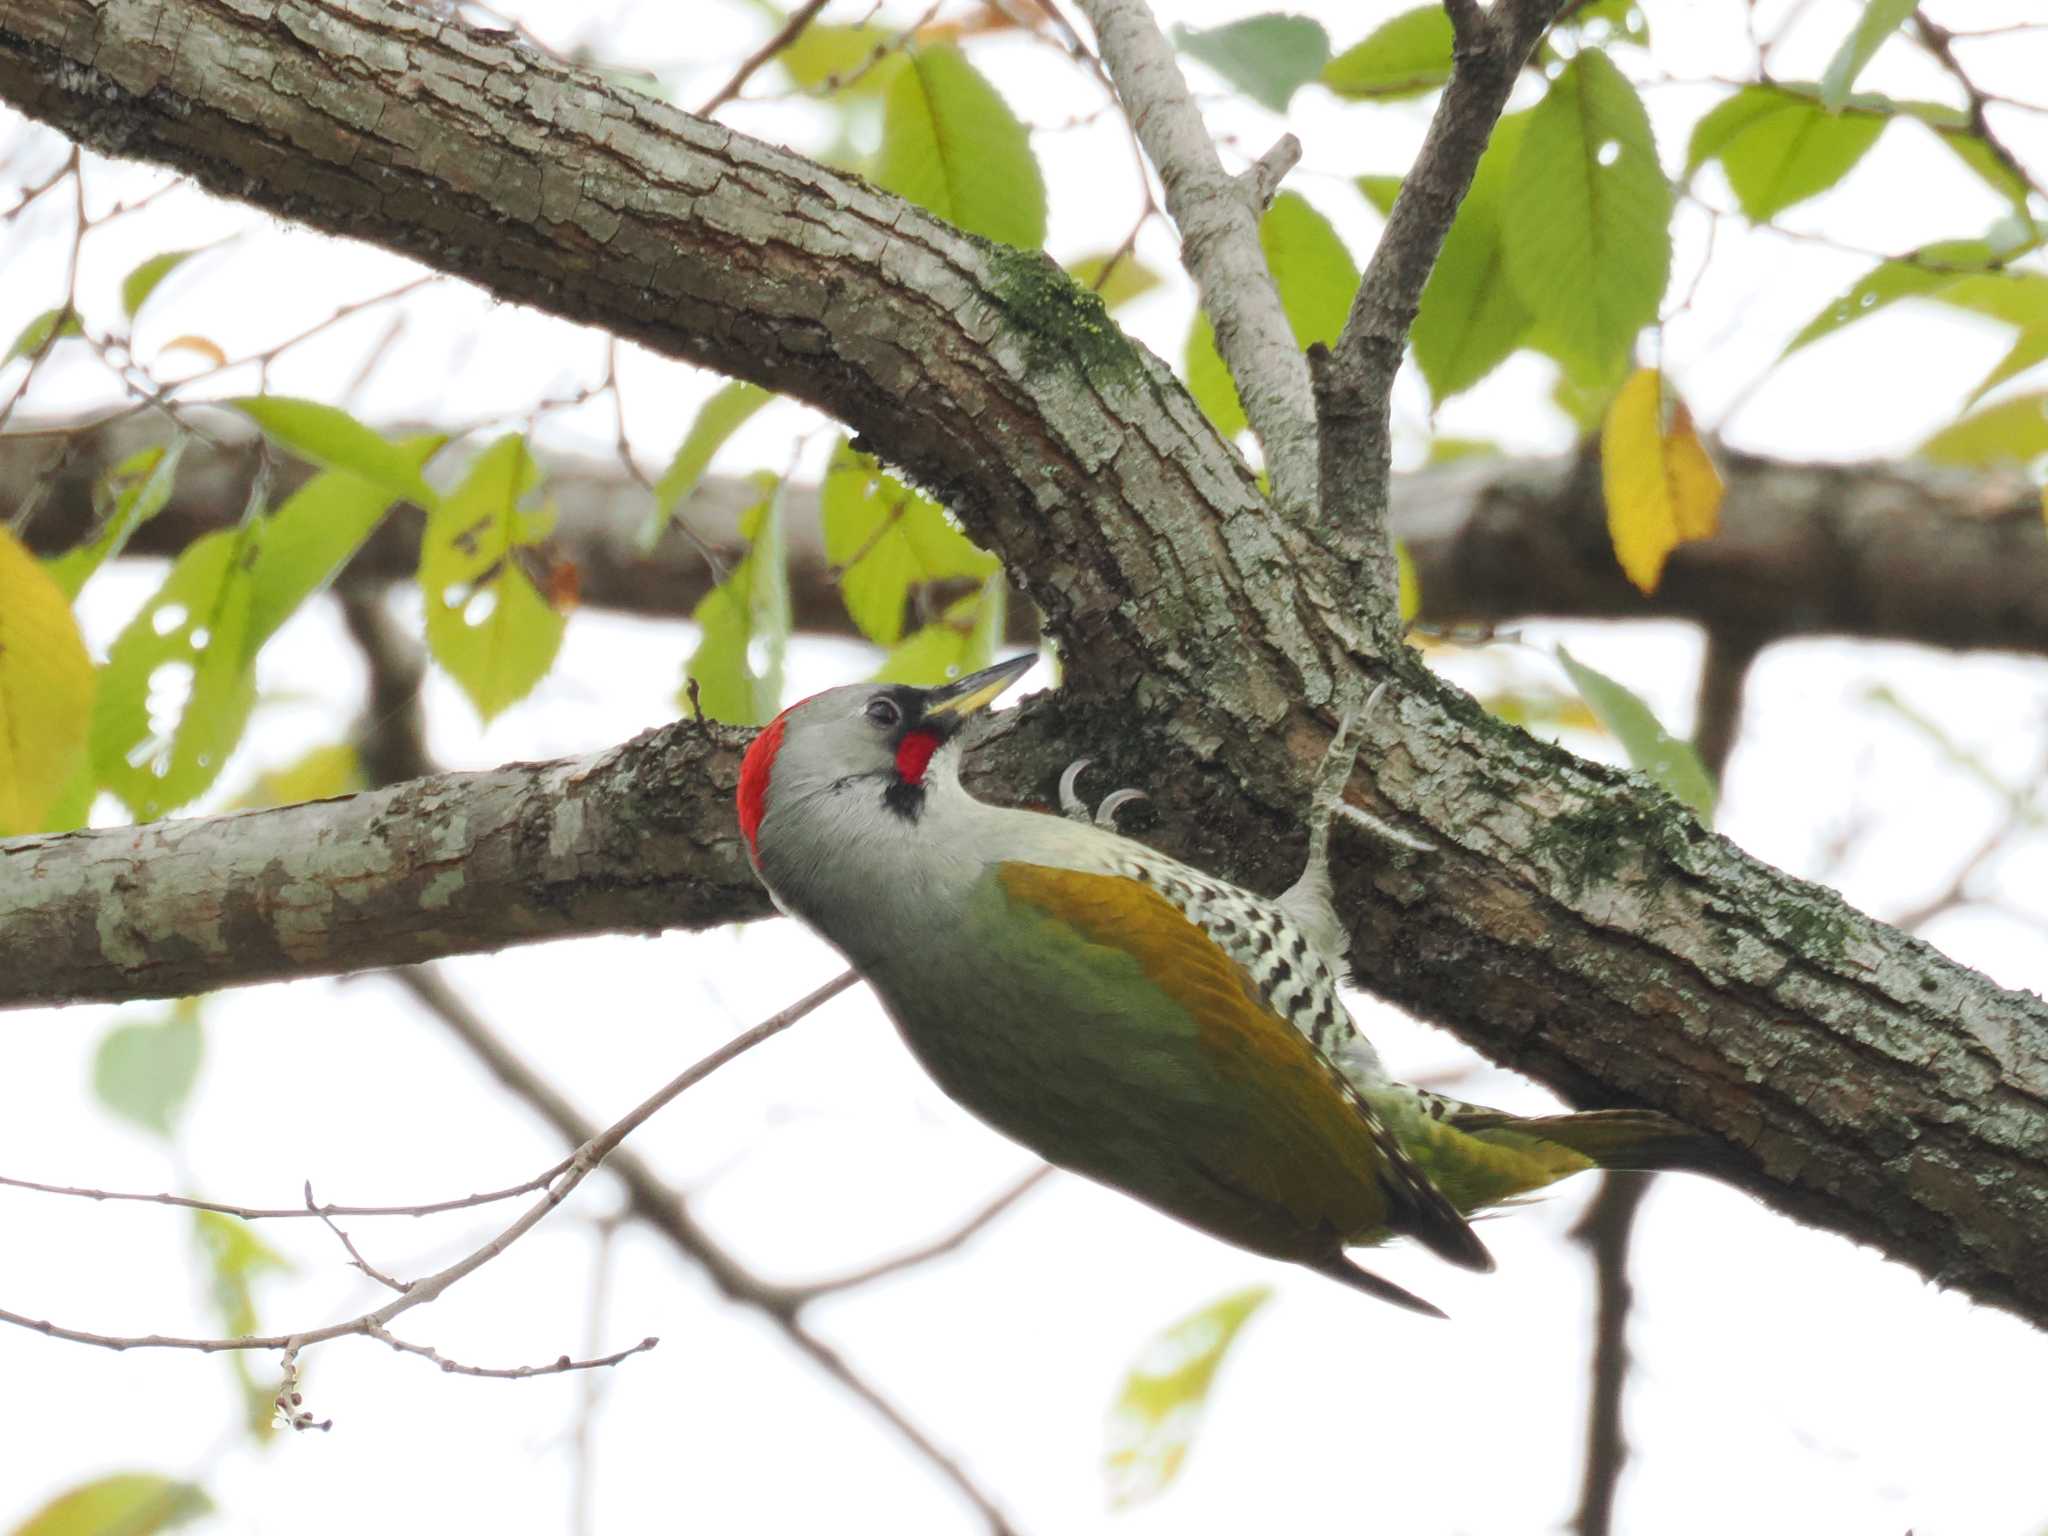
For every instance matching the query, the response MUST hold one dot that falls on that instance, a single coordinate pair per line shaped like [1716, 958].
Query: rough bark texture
[1872, 551]
[1574, 923]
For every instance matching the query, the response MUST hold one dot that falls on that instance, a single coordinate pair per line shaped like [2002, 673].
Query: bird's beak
[950, 705]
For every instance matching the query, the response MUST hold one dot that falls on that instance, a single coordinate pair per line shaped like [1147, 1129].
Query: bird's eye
[884, 712]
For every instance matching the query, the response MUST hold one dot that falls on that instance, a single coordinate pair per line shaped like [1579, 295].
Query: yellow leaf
[46, 685]
[1661, 488]
[199, 344]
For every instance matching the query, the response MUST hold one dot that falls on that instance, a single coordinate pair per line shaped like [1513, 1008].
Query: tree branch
[1219, 232]
[1354, 380]
[1874, 551]
[1573, 924]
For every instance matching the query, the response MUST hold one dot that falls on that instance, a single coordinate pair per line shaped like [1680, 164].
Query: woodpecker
[1129, 1017]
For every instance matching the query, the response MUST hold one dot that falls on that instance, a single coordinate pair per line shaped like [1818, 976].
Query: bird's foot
[1338, 762]
[1074, 808]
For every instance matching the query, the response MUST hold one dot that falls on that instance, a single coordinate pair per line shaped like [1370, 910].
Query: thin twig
[937, 1248]
[784, 36]
[554, 1367]
[354, 1257]
[285, 1213]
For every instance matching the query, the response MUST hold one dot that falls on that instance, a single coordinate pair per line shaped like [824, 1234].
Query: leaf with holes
[1316, 277]
[487, 625]
[717, 419]
[1880, 19]
[179, 681]
[1407, 56]
[1470, 317]
[1160, 1406]
[951, 144]
[1586, 217]
[333, 439]
[1922, 273]
[1661, 488]
[885, 539]
[46, 692]
[745, 622]
[127, 1503]
[1268, 57]
[144, 1072]
[1779, 147]
[1651, 749]
[130, 494]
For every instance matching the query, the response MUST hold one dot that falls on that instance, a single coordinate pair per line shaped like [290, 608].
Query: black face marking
[906, 800]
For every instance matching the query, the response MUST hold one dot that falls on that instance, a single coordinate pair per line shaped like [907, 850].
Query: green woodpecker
[1126, 1016]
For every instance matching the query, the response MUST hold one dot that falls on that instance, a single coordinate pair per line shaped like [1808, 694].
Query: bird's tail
[1624, 1140]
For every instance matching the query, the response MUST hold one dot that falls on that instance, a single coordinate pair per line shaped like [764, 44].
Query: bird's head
[867, 739]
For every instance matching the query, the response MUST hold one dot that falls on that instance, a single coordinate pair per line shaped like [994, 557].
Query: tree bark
[1574, 923]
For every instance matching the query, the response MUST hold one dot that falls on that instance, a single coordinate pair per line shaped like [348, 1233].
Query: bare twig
[786, 34]
[375, 1324]
[1261, 180]
[1219, 245]
[1606, 1230]
[554, 1367]
[938, 1248]
[284, 1213]
[354, 1257]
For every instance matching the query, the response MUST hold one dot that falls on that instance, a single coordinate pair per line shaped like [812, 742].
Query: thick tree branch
[1218, 218]
[1573, 924]
[1873, 551]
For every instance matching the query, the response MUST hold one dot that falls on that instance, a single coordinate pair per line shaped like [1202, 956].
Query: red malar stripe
[915, 755]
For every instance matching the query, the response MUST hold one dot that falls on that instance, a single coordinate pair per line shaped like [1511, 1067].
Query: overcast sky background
[1785, 1381]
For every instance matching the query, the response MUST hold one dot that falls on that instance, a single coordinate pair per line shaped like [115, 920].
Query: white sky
[1785, 1380]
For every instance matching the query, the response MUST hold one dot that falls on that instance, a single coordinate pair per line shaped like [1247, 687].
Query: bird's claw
[1074, 808]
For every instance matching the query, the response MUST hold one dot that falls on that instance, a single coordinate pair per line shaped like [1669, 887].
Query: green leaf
[1471, 317]
[951, 144]
[134, 491]
[123, 1504]
[1316, 278]
[1128, 279]
[50, 326]
[1920, 273]
[139, 284]
[321, 773]
[179, 680]
[720, 416]
[1880, 19]
[1407, 56]
[745, 622]
[1380, 191]
[2030, 350]
[1586, 214]
[2014, 431]
[486, 623]
[333, 439]
[316, 532]
[46, 693]
[885, 539]
[1780, 147]
[1160, 1406]
[1268, 57]
[1672, 763]
[819, 54]
[962, 640]
[236, 1258]
[144, 1072]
